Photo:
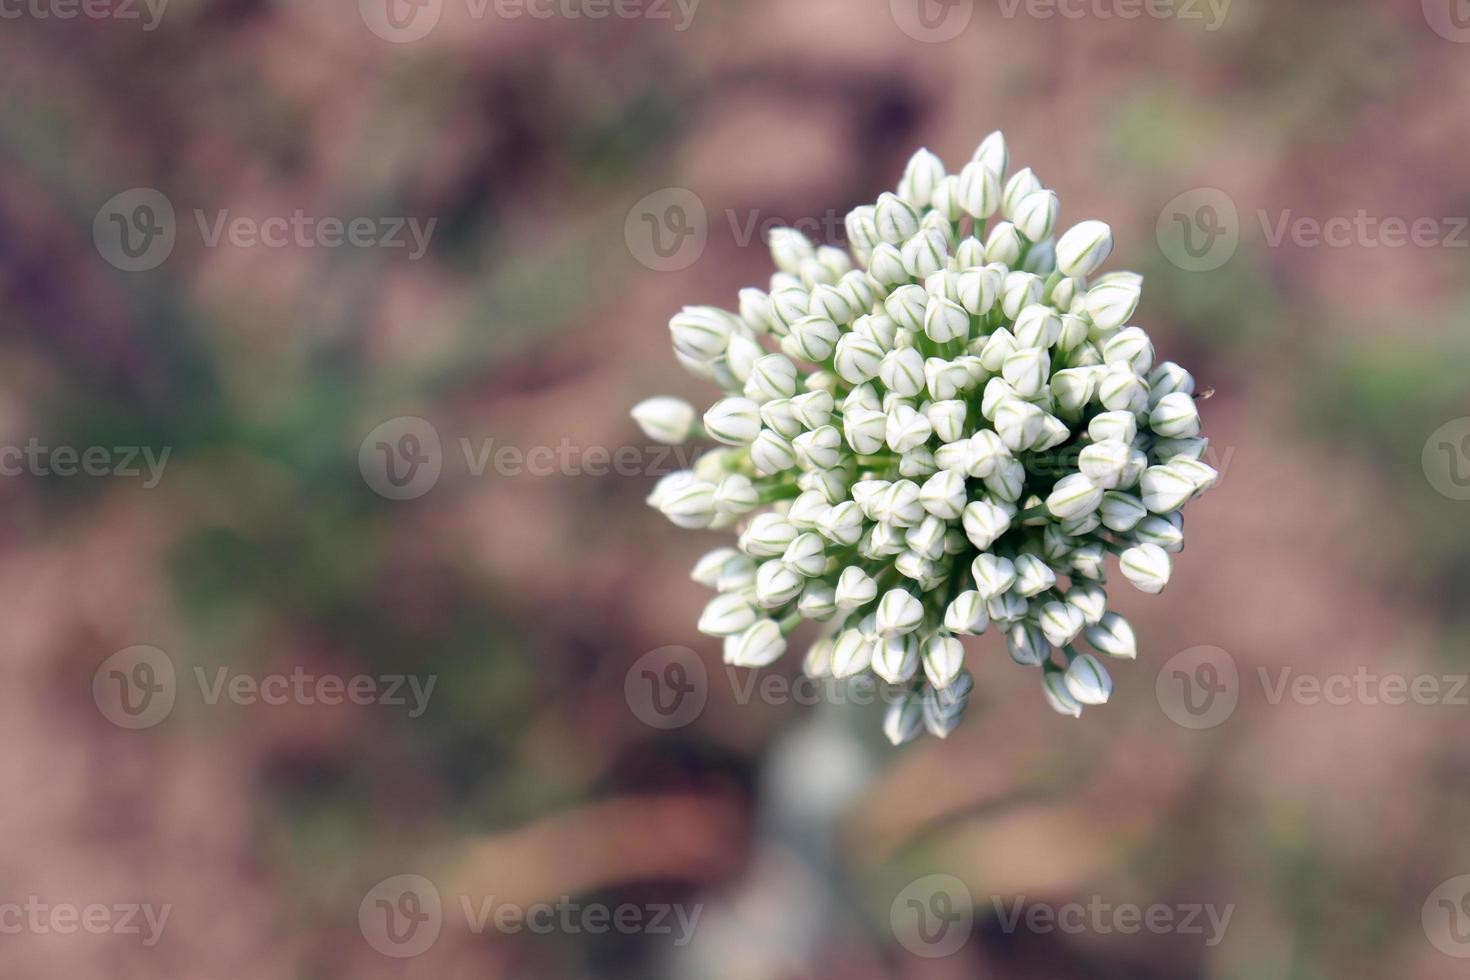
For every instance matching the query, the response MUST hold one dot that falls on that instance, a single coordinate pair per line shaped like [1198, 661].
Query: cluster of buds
[942, 432]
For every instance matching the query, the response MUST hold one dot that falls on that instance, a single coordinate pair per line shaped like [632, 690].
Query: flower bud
[1007, 481]
[886, 266]
[945, 321]
[880, 328]
[806, 555]
[945, 379]
[986, 453]
[1168, 450]
[855, 588]
[1164, 489]
[759, 646]
[1112, 636]
[1073, 333]
[1167, 532]
[1004, 244]
[865, 430]
[771, 453]
[1027, 371]
[1147, 566]
[862, 229]
[906, 305]
[701, 332]
[1168, 378]
[813, 409]
[917, 464]
[1122, 390]
[924, 254]
[1007, 610]
[1027, 645]
[1121, 511]
[896, 658]
[1175, 416]
[944, 708]
[947, 419]
[994, 575]
[898, 613]
[954, 456]
[812, 339]
[735, 494]
[1073, 497]
[807, 510]
[1104, 463]
[1019, 291]
[1036, 214]
[946, 199]
[1113, 427]
[926, 538]
[727, 615]
[666, 420]
[830, 303]
[984, 522]
[1033, 576]
[1087, 681]
[841, 524]
[852, 654]
[1017, 422]
[819, 449]
[788, 304]
[776, 584]
[896, 220]
[772, 376]
[920, 178]
[1130, 346]
[898, 504]
[1090, 600]
[767, 536]
[978, 192]
[1038, 326]
[1113, 299]
[902, 372]
[904, 720]
[790, 249]
[1054, 689]
[943, 495]
[818, 660]
[907, 429]
[707, 570]
[992, 154]
[857, 290]
[778, 416]
[1083, 249]
[944, 658]
[976, 291]
[817, 602]
[755, 309]
[1060, 623]
[689, 505]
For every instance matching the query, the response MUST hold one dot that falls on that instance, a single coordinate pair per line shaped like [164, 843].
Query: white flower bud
[741, 356]
[666, 420]
[813, 409]
[943, 495]
[862, 230]
[1060, 623]
[1054, 432]
[771, 453]
[1112, 636]
[855, 588]
[1164, 489]
[1167, 532]
[1073, 388]
[1019, 291]
[865, 430]
[966, 614]
[896, 658]
[818, 660]
[866, 494]
[759, 646]
[906, 305]
[852, 654]
[1033, 576]
[1007, 610]
[921, 177]
[925, 253]
[830, 303]
[947, 419]
[984, 522]
[773, 376]
[1038, 326]
[1168, 378]
[944, 658]
[1147, 566]
[904, 720]
[1130, 346]
[857, 359]
[977, 191]
[1169, 450]
[886, 266]
[1004, 244]
[1113, 299]
[945, 320]
[1090, 600]
[906, 429]
[945, 379]
[708, 569]
[993, 353]
[898, 613]
[812, 338]
[944, 708]
[1175, 416]
[807, 510]
[790, 249]
[1073, 334]
[896, 220]
[1018, 423]
[1027, 371]
[986, 453]
[768, 536]
[788, 304]
[1022, 183]
[691, 504]
[1087, 681]
[780, 417]
[954, 456]
[1036, 214]
[898, 504]
[880, 328]
[994, 575]
[1113, 427]
[1027, 645]
[1054, 689]
[946, 199]
[701, 333]
[817, 602]
[819, 449]
[1008, 480]
[917, 464]
[842, 524]
[1074, 496]
[735, 494]
[776, 584]
[755, 309]
[992, 154]
[1121, 511]
[1122, 390]
[902, 372]
[1104, 463]
[927, 538]
[976, 291]
[727, 615]
[806, 555]
[1083, 249]
[857, 290]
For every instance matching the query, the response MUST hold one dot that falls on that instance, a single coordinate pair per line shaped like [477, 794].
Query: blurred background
[336, 623]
